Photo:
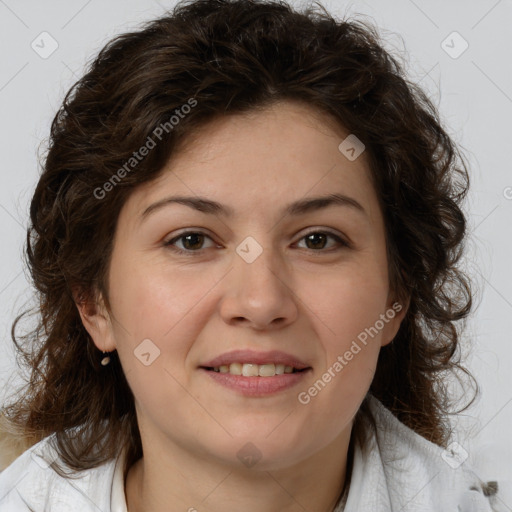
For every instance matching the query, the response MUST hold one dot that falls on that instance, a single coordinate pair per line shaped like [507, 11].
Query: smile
[254, 370]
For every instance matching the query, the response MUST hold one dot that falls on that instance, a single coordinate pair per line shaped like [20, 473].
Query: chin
[260, 453]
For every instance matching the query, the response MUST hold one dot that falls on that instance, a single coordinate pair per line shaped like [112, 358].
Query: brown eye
[318, 240]
[192, 241]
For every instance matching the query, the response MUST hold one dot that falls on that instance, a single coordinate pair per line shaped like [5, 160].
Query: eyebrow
[296, 208]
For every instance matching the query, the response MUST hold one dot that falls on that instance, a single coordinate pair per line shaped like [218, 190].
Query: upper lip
[251, 356]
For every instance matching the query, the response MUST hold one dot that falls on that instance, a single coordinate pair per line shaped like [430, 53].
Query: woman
[245, 241]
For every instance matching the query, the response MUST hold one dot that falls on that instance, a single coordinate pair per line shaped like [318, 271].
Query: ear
[96, 320]
[395, 313]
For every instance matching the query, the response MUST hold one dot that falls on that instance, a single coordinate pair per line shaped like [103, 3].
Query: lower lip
[257, 386]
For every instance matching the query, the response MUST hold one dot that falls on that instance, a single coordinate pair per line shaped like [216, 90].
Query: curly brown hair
[227, 57]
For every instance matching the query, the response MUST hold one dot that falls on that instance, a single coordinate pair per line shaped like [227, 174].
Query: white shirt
[402, 472]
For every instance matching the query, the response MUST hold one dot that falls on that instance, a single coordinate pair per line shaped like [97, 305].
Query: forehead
[274, 155]
[288, 119]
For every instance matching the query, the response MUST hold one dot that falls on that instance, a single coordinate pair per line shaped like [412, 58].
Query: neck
[193, 485]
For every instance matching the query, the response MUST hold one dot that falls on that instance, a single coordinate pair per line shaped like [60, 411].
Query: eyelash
[169, 244]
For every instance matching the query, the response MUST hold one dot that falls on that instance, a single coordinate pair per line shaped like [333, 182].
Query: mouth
[255, 370]
[256, 374]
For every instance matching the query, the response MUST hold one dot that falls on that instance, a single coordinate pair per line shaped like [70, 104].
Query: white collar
[403, 471]
[118, 498]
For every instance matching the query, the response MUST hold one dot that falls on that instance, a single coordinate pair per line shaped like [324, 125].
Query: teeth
[255, 370]
[235, 369]
[267, 370]
[250, 370]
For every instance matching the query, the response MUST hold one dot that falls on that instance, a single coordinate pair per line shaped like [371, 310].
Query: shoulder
[30, 483]
[420, 475]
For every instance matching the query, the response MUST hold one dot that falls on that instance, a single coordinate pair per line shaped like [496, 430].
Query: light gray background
[472, 91]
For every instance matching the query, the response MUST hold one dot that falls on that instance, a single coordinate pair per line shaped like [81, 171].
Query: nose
[259, 294]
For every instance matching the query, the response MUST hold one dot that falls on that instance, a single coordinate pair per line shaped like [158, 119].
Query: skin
[307, 298]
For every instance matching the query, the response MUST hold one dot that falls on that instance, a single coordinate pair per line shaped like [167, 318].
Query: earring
[105, 360]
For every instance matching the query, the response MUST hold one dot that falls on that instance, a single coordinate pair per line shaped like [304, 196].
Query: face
[262, 267]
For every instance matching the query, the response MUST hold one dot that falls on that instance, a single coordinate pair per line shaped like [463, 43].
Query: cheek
[347, 305]
[167, 308]
[151, 302]
[347, 302]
